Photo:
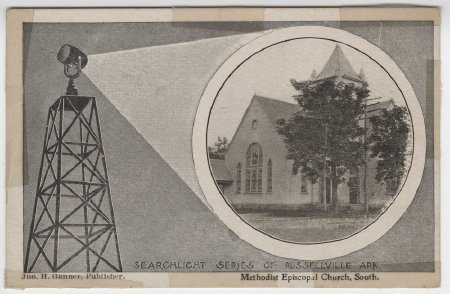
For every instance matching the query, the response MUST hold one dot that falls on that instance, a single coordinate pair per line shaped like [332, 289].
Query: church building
[256, 174]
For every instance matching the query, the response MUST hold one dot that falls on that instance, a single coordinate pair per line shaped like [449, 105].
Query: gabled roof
[220, 171]
[338, 66]
[276, 109]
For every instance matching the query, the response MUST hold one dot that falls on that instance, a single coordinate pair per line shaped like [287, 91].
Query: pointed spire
[313, 74]
[338, 66]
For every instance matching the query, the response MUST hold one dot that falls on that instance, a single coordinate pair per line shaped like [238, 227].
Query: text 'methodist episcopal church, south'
[256, 173]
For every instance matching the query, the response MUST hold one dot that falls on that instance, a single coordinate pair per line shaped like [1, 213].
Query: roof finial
[338, 48]
[362, 74]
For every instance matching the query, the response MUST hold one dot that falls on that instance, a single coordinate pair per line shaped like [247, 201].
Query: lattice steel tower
[73, 225]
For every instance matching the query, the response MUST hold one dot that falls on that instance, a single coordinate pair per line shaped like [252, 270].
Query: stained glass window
[253, 174]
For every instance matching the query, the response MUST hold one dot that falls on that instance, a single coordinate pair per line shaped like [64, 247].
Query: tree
[388, 142]
[330, 108]
[219, 148]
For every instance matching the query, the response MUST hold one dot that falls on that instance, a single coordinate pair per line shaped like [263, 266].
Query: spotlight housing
[74, 60]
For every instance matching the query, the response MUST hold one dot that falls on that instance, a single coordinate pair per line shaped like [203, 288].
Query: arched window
[238, 178]
[269, 176]
[253, 173]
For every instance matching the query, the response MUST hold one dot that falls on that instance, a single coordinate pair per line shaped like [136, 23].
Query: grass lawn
[300, 228]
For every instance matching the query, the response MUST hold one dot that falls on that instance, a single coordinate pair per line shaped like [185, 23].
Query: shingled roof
[338, 66]
[375, 109]
[276, 109]
[220, 171]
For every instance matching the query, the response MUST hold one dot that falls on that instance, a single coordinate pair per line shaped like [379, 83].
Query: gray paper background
[158, 217]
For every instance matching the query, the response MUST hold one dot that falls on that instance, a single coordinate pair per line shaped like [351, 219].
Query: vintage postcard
[223, 147]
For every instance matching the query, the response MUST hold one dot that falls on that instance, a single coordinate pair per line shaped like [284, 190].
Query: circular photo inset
[314, 141]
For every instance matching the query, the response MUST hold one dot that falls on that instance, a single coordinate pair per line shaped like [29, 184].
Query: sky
[269, 72]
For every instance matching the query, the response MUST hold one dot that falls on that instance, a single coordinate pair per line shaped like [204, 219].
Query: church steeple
[338, 66]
